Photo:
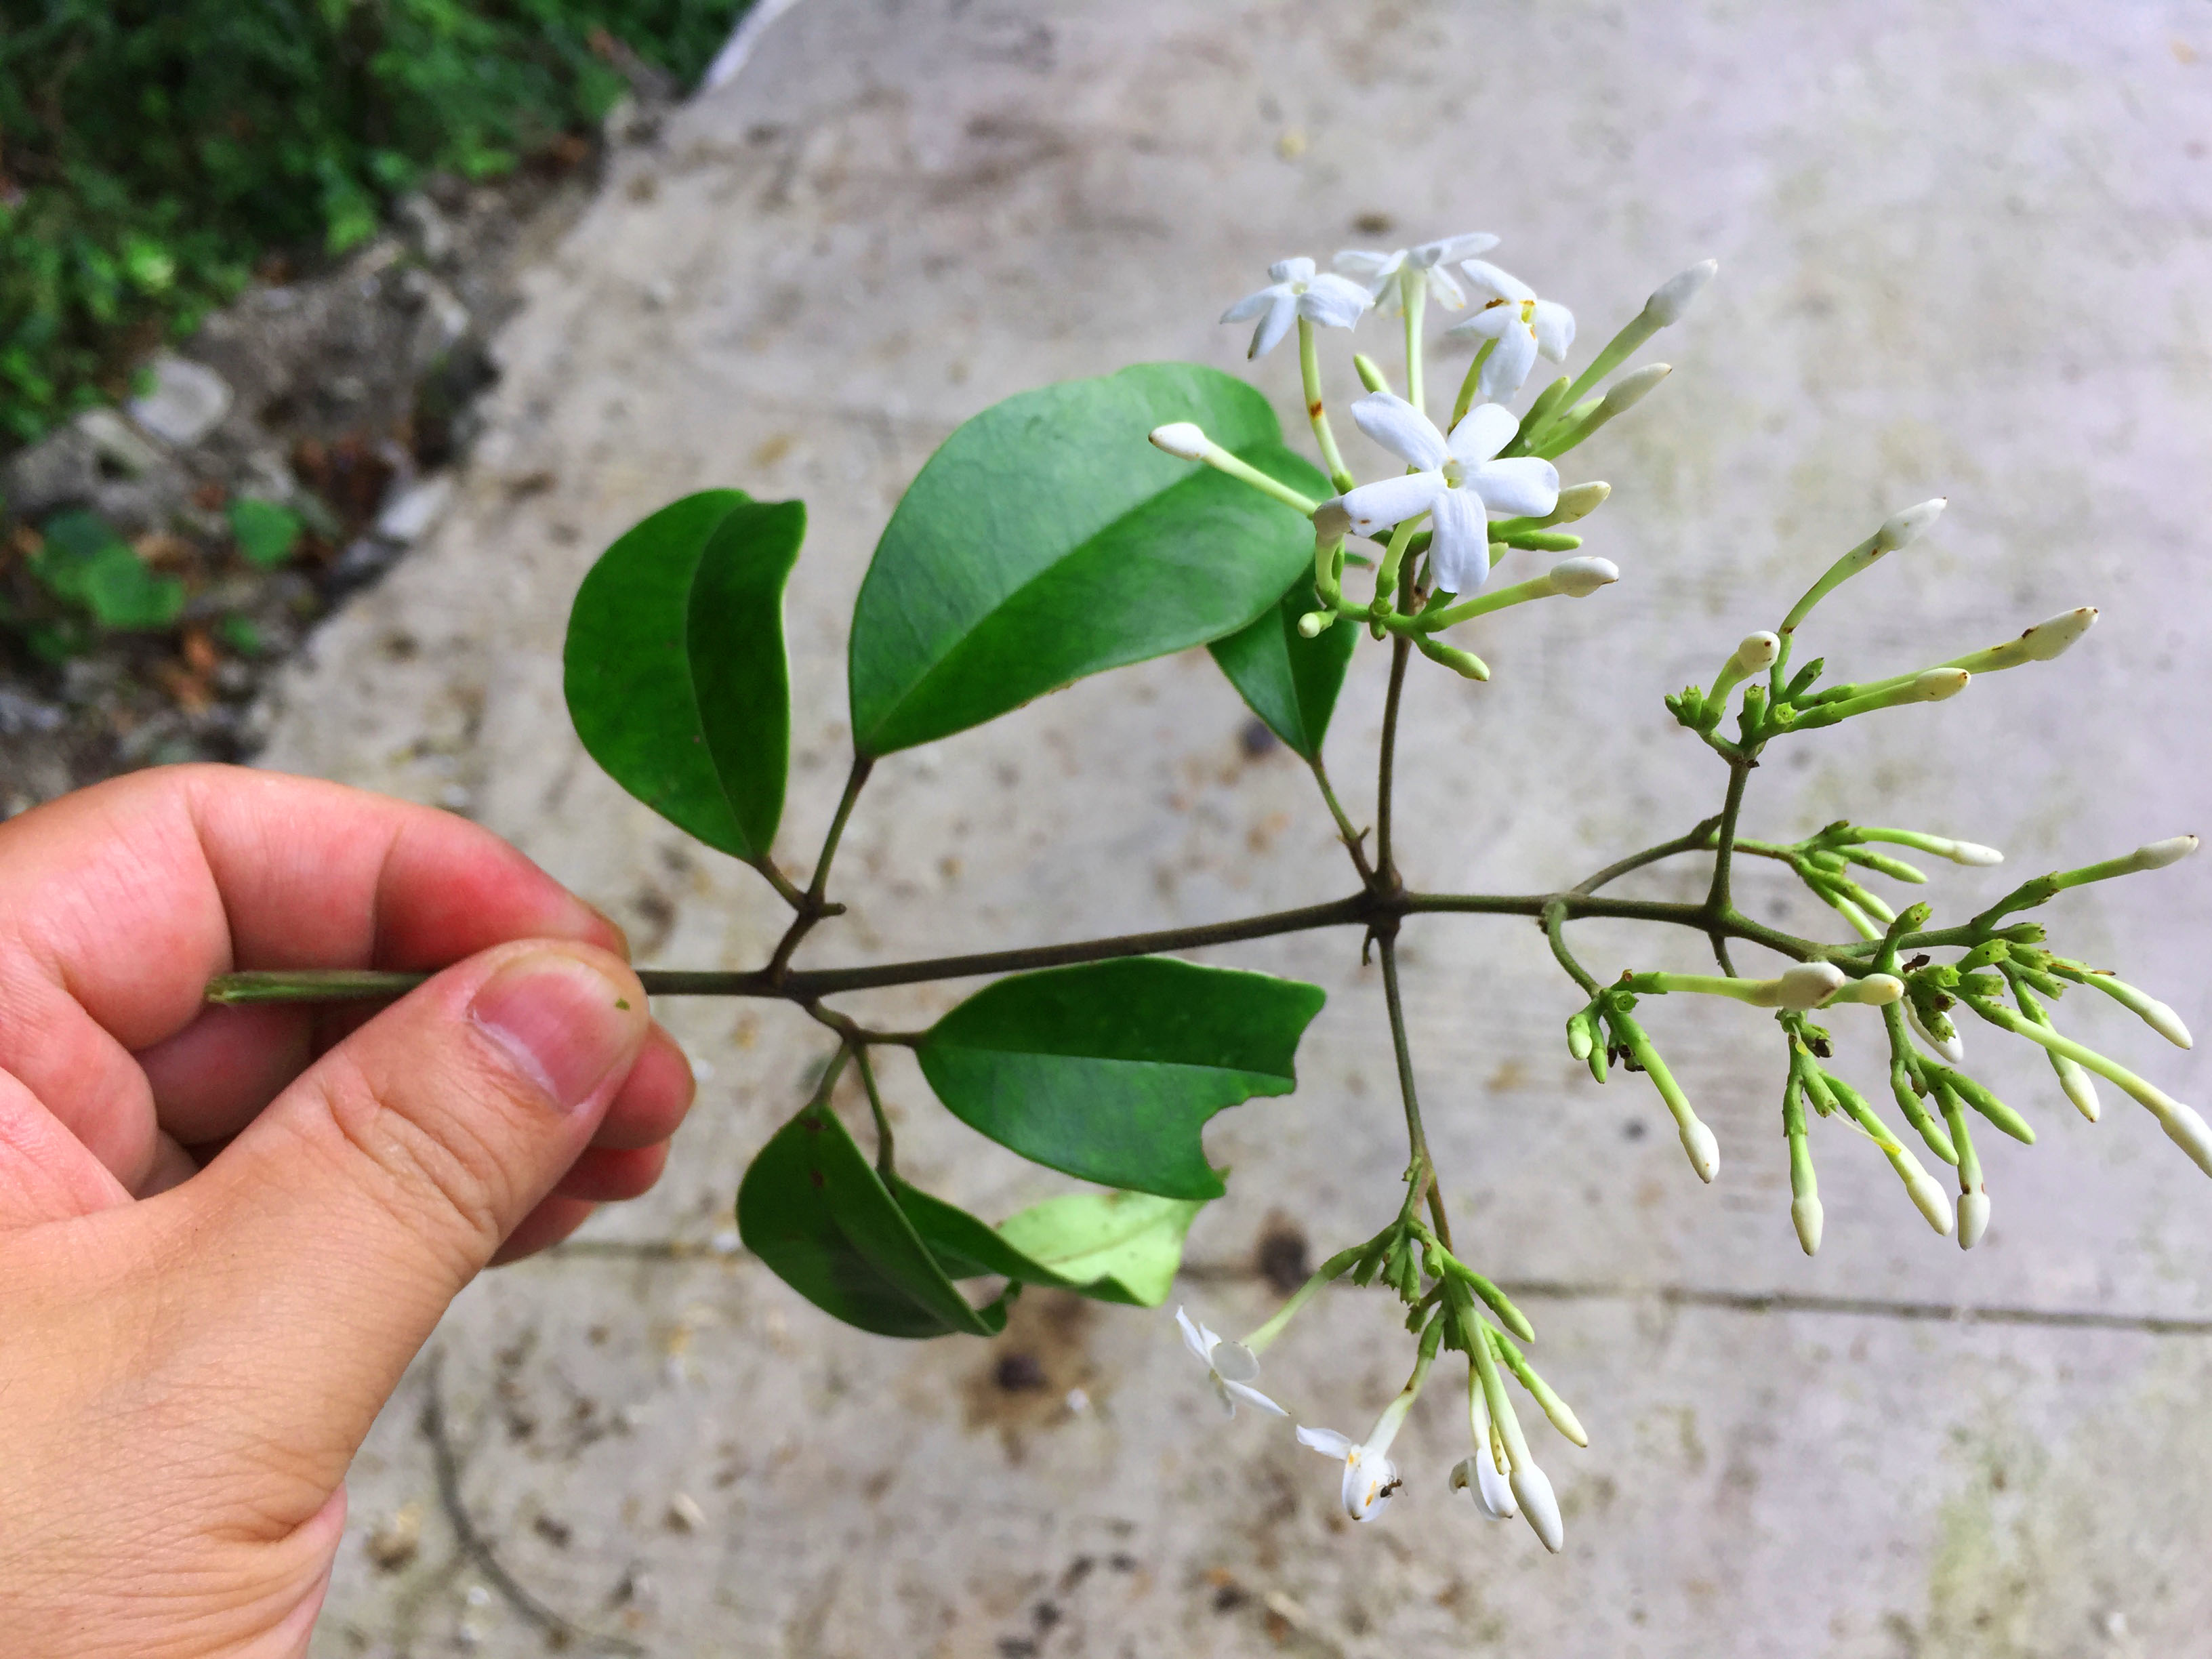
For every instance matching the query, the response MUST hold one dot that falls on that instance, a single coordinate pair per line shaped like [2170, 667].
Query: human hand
[225, 1232]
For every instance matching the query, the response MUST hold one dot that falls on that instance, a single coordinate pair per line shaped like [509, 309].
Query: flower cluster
[1474, 487]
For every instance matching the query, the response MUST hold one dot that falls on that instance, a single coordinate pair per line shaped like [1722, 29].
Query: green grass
[152, 151]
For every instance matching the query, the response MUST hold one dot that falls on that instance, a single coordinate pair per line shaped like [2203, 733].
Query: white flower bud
[2188, 1131]
[1967, 852]
[1310, 625]
[1973, 1219]
[1806, 1217]
[1926, 1194]
[2075, 1080]
[1901, 529]
[1937, 683]
[1875, 990]
[1954, 1050]
[1757, 652]
[1479, 1478]
[1631, 390]
[2167, 1023]
[1705, 1152]
[1808, 984]
[2159, 853]
[1672, 297]
[1533, 1488]
[1579, 500]
[2047, 639]
[1184, 440]
[1579, 578]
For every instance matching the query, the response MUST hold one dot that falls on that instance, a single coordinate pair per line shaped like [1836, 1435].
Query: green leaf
[84, 561]
[1109, 1071]
[813, 1210]
[1045, 540]
[1290, 681]
[266, 533]
[1112, 1247]
[1117, 1247]
[675, 669]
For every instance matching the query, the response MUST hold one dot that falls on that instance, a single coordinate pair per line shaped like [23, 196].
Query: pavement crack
[475, 1548]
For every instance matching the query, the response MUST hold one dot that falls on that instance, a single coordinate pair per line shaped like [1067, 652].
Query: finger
[46, 1173]
[119, 902]
[211, 1079]
[613, 1175]
[327, 1239]
[653, 1100]
[545, 1226]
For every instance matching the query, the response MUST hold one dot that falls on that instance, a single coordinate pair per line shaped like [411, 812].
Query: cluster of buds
[1450, 1307]
[1774, 702]
[1481, 486]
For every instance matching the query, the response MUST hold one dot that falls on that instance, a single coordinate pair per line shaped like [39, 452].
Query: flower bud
[1631, 390]
[1580, 578]
[1371, 373]
[1479, 1478]
[1582, 1035]
[1926, 1194]
[1952, 1048]
[1672, 297]
[1973, 1219]
[1184, 440]
[1704, 1152]
[1875, 990]
[2145, 1007]
[1757, 652]
[1533, 1489]
[1937, 683]
[2188, 1131]
[2159, 853]
[1901, 529]
[1806, 1217]
[2048, 640]
[1310, 625]
[1579, 501]
[1808, 984]
[2075, 1080]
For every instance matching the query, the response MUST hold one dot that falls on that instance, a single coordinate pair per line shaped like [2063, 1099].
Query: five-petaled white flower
[1457, 481]
[1331, 300]
[1382, 271]
[1521, 324]
[1369, 1476]
[1229, 1366]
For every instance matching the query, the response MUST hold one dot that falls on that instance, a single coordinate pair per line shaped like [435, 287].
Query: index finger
[120, 903]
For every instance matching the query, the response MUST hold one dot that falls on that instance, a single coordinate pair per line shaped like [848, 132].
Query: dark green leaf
[813, 1210]
[1112, 1247]
[266, 533]
[1045, 540]
[676, 675]
[1290, 681]
[1109, 1071]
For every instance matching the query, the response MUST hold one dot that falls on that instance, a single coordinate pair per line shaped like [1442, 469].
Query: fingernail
[563, 1023]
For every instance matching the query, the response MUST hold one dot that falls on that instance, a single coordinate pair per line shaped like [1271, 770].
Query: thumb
[327, 1240]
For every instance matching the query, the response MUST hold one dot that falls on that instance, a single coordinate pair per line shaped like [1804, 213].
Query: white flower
[1457, 481]
[1521, 324]
[1382, 271]
[1331, 300]
[1480, 1475]
[1369, 1476]
[1229, 1366]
